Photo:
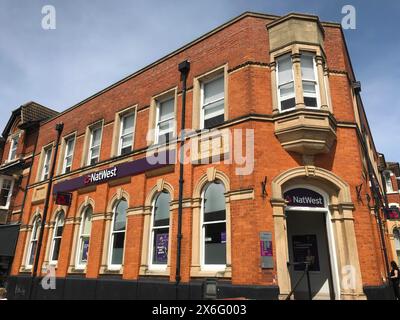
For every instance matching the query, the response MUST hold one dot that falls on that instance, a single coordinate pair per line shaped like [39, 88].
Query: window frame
[9, 196]
[151, 265]
[45, 159]
[120, 136]
[95, 127]
[158, 122]
[203, 265]
[281, 57]
[388, 181]
[36, 228]
[315, 81]
[203, 82]
[110, 265]
[65, 155]
[79, 265]
[13, 147]
[55, 237]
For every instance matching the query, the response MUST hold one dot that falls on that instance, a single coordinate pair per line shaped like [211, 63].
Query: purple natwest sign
[301, 197]
[127, 169]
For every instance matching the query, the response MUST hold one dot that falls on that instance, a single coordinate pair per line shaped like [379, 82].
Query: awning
[8, 239]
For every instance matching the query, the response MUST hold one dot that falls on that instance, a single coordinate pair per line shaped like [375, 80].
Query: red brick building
[17, 149]
[291, 159]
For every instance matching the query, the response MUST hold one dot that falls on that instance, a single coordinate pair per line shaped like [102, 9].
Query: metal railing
[305, 273]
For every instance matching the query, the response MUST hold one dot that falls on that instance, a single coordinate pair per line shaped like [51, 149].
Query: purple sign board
[301, 197]
[127, 169]
[267, 261]
[162, 248]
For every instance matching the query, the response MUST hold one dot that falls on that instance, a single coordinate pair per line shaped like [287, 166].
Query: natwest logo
[101, 175]
[302, 197]
[306, 200]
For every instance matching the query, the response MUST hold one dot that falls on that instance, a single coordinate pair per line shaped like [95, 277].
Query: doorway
[308, 241]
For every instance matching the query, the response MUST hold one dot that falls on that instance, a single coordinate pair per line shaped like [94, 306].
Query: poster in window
[85, 250]
[305, 248]
[162, 248]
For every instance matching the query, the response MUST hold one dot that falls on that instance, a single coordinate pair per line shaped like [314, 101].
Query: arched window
[160, 231]
[213, 226]
[30, 257]
[117, 239]
[396, 234]
[57, 235]
[84, 238]
[388, 181]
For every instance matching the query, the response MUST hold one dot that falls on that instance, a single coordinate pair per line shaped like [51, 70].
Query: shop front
[8, 241]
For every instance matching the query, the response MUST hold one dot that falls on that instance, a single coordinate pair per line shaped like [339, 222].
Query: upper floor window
[13, 148]
[117, 236]
[6, 185]
[286, 93]
[126, 134]
[30, 257]
[309, 80]
[213, 245]
[212, 102]
[388, 181]
[165, 120]
[84, 238]
[94, 145]
[160, 231]
[68, 154]
[46, 163]
[57, 236]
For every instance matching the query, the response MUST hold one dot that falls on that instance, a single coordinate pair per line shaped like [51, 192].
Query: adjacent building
[279, 160]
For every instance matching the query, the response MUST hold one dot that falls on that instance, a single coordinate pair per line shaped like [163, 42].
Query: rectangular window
[126, 134]
[46, 164]
[69, 150]
[286, 93]
[5, 192]
[94, 145]
[165, 120]
[212, 102]
[309, 80]
[13, 148]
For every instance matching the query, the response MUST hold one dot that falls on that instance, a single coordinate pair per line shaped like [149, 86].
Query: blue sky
[98, 42]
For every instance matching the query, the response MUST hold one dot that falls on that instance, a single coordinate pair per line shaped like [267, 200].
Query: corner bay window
[94, 145]
[160, 231]
[30, 258]
[126, 134]
[57, 236]
[286, 78]
[117, 237]
[165, 120]
[213, 231]
[69, 150]
[212, 102]
[84, 238]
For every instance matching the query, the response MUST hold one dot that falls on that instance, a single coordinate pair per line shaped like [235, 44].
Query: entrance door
[307, 239]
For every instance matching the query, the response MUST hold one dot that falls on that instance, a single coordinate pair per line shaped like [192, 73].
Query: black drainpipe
[59, 128]
[183, 68]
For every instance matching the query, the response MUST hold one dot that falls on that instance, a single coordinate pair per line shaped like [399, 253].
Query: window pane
[36, 229]
[215, 244]
[160, 246]
[32, 253]
[56, 249]
[5, 191]
[285, 73]
[213, 122]
[166, 109]
[309, 87]
[287, 89]
[120, 216]
[310, 102]
[84, 250]
[166, 127]
[162, 210]
[127, 124]
[70, 147]
[288, 104]
[214, 109]
[87, 221]
[118, 248]
[96, 137]
[214, 198]
[214, 90]
[307, 67]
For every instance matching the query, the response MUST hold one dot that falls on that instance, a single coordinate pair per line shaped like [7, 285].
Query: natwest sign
[101, 176]
[302, 197]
